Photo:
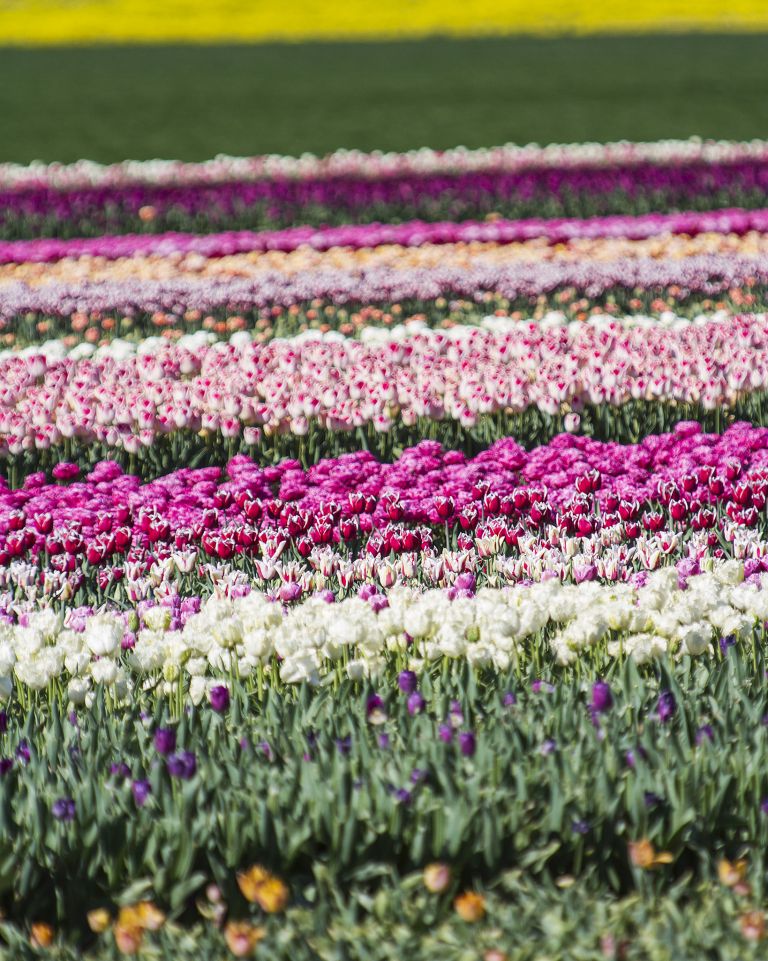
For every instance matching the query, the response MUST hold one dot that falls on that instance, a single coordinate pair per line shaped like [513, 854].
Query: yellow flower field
[65, 21]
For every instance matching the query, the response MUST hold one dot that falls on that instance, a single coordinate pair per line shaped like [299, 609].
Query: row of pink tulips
[291, 387]
[575, 509]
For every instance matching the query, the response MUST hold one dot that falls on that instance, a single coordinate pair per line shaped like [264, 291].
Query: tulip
[602, 698]
[242, 937]
[416, 703]
[99, 920]
[141, 790]
[165, 741]
[644, 855]
[64, 809]
[183, 765]
[752, 925]
[41, 935]
[666, 707]
[470, 906]
[437, 877]
[219, 698]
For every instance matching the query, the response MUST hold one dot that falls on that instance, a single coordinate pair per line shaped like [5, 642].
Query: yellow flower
[99, 920]
[470, 906]
[731, 873]
[144, 915]
[41, 935]
[50, 21]
[272, 895]
[752, 925]
[249, 881]
[260, 886]
[437, 877]
[242, 937]
[644, 855]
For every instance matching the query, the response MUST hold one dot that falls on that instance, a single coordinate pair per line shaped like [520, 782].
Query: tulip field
[384, 555]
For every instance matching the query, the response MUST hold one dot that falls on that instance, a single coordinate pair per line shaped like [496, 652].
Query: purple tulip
[416, 703]
[165, 741]
[219, 698]
[704, 733]
[726, 643]
[666, 707]
[120, 770]
[407, 681]
[383, 741]
[6, 763]
[3, 722]
[509, 699]
[182, 765]
[467, 743]
[141, 791]
[445, 733]
[376, 709]
[23, 753]
[64, 809]
[602, 698]
[344, 745]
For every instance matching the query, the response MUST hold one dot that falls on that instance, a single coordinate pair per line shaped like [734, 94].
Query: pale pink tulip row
[283, 386]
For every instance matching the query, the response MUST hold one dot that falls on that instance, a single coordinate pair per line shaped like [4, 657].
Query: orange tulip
[249, 881]
[644, 855]
[144, 915]
[470, 906]
[260, 886]
[41, 935]
[272, 895]
[731, 873]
